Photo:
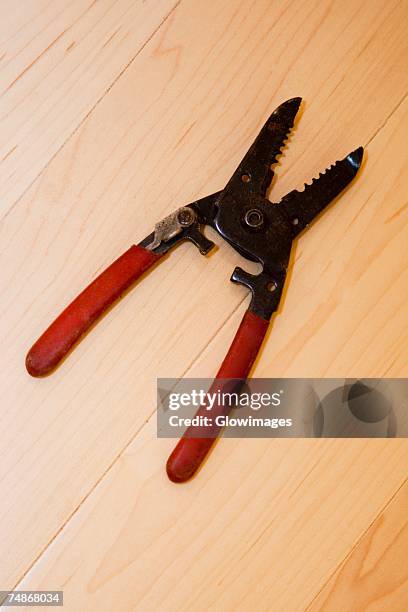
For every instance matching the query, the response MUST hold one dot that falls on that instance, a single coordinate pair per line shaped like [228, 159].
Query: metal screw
[254, 218]
[186, 217]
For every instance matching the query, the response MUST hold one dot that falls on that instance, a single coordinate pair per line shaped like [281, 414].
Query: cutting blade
[303, 206]
[254, 173]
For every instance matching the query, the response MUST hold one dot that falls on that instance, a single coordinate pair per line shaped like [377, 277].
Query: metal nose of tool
[355, 158]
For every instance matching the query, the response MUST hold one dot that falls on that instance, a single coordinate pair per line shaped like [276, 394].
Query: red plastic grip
[191, 451]
[77, 318]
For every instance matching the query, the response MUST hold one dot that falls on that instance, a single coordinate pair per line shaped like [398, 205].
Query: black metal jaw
[256, 228]
[262, 231]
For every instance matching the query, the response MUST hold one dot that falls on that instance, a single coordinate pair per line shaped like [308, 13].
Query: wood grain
[263, 526]
[57, 61]
[165, 116]
[374, 576]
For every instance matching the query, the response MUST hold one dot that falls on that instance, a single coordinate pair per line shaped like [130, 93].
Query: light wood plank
[57, 60]
[374, 576]
[261, 527]
[205, 82]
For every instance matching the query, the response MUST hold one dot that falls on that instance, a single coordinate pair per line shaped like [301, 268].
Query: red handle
[191, 451]
[77, 318]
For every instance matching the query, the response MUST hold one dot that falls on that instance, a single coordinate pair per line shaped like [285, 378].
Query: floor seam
[383, 125]
[123, 450]
[358, 541]
[117, 457]
[91, 110]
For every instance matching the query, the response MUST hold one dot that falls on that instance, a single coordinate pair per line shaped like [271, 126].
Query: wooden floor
[113, 113]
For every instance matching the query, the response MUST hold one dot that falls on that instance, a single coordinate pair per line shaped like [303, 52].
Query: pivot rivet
[254, 218]
[186, 217]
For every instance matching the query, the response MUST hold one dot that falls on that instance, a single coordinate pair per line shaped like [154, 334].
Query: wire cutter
[259, 230]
